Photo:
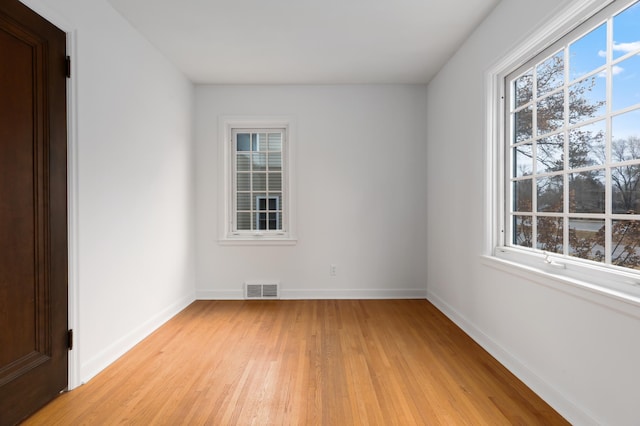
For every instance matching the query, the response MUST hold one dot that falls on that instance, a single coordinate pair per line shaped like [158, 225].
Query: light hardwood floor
[348, 362]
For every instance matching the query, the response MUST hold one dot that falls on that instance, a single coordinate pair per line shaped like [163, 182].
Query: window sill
[613, 299]
[257, 241]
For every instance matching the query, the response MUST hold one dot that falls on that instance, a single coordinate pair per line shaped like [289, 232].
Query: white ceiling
[306, 41]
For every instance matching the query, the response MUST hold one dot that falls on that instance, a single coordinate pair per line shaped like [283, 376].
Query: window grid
[526, 210]
[258, 180]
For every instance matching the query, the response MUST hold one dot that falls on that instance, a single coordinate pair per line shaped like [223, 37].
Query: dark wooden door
[33, 212]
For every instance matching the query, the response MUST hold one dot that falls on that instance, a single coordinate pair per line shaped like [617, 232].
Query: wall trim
[114, 351]
[567, 408]
[319, 294]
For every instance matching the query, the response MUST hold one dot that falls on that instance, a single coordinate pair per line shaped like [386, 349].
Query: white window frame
[618, 283]
[226, 233]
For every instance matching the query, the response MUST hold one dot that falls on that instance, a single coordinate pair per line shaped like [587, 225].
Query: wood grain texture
[327, 362]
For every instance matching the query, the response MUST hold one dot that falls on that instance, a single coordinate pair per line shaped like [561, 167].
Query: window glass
[587, 145]
[243, 142]
[625, 83]
[550, 153]
[587, 192]
[522, 124]
[522, 191]
[587, 98]
[625, 145]
[550, 234]
[523, 163]
[550, 74]
[522, 231]
[550, 193]
[625, 244]
[586, 239]
[588, 52]
[625, 189]
[550, 113]
[626, 31]
[523, 89]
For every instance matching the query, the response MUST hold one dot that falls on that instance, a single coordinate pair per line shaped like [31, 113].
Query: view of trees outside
[596, 173]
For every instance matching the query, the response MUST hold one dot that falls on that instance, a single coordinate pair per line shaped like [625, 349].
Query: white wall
[133, 259]
[361, 200]
[579, 350]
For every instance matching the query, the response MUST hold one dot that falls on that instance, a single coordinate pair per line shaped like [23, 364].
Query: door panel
[33, 217]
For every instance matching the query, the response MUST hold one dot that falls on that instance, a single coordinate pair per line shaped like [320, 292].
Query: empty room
[341, 212]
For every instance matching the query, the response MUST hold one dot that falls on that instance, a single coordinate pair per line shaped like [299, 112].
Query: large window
[571, 141]
[257, 185]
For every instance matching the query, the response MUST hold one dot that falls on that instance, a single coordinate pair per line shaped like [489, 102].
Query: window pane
[261, 221]
[242, 163]
[259, 161]
[586, 239]
[260, 202]
[274, 221]
[242, 182]
[587, 145]
[523, 160]
[588, 53]
[523, 89]
[243, 142]
[275, 161]
[244, 221]
[550, 234]
[550, 113]
[522, 231]
[275, 181]
[626, 137]
[586, 192]
[273, 203]
[259, 141]
[626, 189]
[259, 182]
[550, 74]
[625, 243]
[550, 194]
[275, 142]
[626, 78]
[522, 125]
[522, 191]
[626, 31]
[244, 201]
[587, 99]
[550, 153]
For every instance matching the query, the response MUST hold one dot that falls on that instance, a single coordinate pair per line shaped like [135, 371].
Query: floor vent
[261, 290]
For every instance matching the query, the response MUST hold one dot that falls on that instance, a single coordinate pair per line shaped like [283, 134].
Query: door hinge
[70, 339]
[68, 66]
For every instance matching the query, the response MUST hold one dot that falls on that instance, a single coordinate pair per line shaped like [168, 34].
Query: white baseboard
[320, 294]
[118, 348]
[568, 409]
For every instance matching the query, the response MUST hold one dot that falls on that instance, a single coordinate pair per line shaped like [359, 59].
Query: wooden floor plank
[326, 362]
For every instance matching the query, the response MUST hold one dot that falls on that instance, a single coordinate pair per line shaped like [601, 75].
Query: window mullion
[565, 166]
[608, 208]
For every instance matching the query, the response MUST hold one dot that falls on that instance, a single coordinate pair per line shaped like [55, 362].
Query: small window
[257, 184]
[570, 192]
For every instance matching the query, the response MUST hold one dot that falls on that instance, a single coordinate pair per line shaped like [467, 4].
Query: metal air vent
[261, 290]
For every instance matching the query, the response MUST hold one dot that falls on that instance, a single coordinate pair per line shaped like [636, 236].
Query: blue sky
[589, 52]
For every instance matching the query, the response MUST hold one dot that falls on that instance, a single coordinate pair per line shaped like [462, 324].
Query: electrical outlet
[333, 270]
